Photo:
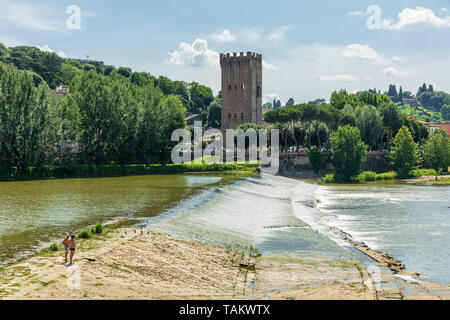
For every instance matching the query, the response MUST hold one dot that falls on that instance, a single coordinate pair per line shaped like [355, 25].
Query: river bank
[97, 171]
[430, 180]
[199, 243]
[140, 264]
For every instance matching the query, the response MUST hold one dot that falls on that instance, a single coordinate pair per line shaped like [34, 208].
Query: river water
[276, 215]
[35, 213]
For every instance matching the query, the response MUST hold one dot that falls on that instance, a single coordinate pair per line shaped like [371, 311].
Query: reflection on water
[33, 213]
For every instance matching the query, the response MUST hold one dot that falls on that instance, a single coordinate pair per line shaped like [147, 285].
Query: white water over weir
[279, 215]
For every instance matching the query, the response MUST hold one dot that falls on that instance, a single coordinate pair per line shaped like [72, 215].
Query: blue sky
[309, 48]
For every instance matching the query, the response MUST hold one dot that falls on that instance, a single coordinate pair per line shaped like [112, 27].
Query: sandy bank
[430, 180]
[135, 264]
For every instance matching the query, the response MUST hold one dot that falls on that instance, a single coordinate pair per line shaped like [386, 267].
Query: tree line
[103, 120]
[54, 70]
[377, 118]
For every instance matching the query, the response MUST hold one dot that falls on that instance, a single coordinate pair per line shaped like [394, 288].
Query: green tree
[369, 124]
[108, 70]
[162, 115]
[340, 99]
[124, 71]
[368, 98]
[23, 120]
[349, 152]
[446, 112]
[437, 150]
[392, 121]
[214, 118]
[95, 97]
[290, 102]
[405, 154]
[200, 97]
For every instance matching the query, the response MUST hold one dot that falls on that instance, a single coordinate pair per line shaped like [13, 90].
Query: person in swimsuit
[72, 247]
[66, 246]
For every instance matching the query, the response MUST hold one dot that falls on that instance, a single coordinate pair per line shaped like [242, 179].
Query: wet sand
[140, 264]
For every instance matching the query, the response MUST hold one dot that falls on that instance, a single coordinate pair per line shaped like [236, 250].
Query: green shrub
[85, 234]
[53, 247]
[98, 228]
[315, 159]
[329, 178]
[386, 176]
[417, 173]
[366, 176]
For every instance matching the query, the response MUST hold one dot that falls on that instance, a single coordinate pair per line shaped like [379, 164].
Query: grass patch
[97, 229]
[53, 247]
[44, 283]
[85, 234]
[422, 172]
[366, 176]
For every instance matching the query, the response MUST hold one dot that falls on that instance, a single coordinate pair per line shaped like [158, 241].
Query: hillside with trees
[426, 105]
[54, 70]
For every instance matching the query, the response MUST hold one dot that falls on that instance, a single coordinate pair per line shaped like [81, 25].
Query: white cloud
[46, 48]
[224, 36]
[419, 16]
[444, 9]
[393, 72]
[268, 67]
[362, 52]
[279, 34]
[368, 78]
[356, 13]
[270, 97]
[25, 15]
[397, 59]
[339, 77]
[196, 54]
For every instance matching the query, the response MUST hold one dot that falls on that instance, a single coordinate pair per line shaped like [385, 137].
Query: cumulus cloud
[362, 52]
[393, 72]
[26, 15]
[419, 16]
[397, 59]
[279, 34]
[46, 48]
[224, 36]
[339, 77]
[196, 54]
[444, 9]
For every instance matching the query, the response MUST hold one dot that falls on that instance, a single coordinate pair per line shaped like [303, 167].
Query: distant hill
[422, 113]
[55, 70]
[427, 105]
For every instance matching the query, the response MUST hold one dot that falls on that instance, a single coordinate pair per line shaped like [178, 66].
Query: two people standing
[69, 246]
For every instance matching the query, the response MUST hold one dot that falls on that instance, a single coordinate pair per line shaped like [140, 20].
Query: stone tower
[241, 89]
